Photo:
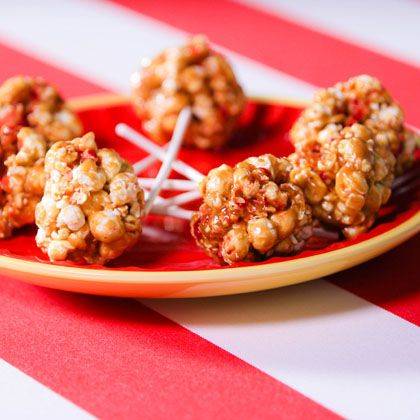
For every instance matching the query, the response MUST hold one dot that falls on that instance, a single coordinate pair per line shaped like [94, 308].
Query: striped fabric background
[344, 346]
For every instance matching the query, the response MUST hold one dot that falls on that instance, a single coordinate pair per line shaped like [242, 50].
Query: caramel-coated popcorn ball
[92, 203]
[32, 102]
[347, 178]
[193, 75]
[361, 99]
[251, 211]
[32, 117]
[23, 184]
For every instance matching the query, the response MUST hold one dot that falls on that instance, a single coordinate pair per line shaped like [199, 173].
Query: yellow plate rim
[351, 255]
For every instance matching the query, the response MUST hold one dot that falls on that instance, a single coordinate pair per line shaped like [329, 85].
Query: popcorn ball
[32, 102]
[22, 186]
[191, 75]
[347, 178]
[361, 99]
[92, 203]
[32, 117]
[251, 211]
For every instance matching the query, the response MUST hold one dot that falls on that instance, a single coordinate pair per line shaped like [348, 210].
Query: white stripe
[104, 43]
[341, 351]
[22, 397]
[390, 27]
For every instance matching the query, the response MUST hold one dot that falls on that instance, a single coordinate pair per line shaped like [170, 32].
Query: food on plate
[361, 99]
[92, 203]
[23, 184]
[32, 102]
[32, 117]
[86, 201]
[193, 75]
[346, 176]
[251, 211]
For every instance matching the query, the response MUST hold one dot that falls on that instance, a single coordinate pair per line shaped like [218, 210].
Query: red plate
[167, 255]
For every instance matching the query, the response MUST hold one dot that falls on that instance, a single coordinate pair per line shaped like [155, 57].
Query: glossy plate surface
[166, 262]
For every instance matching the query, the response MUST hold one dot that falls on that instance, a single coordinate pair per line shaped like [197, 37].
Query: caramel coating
[32, 102]
[361, 99]
[91, 205]
[192, 75]
[32, 117]
[347, 178]
[251, 211]
[23, 184]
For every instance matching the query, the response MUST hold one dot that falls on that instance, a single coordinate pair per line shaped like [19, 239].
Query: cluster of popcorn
[32, 117]
[32, 102]
[92, 203]
[23, 184]
[190, 75]
[251, 211]
[346, 178]
[350, 142]
[361, 99]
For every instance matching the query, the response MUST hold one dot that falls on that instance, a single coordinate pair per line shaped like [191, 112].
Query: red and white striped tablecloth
[344, 346]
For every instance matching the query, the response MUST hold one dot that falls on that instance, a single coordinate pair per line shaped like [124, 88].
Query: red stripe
[391, 281]
[118, 359]
[14, 62]
[285, 45]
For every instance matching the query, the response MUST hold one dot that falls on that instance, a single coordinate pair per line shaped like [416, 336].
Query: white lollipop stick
[173, 211]
[126, 132]
[167, 162]
[405, 178]
[327, 234]
[181, 199]
[169, 184]
[162, 207]
[413, 128]
[143, 164]
[160, 204]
